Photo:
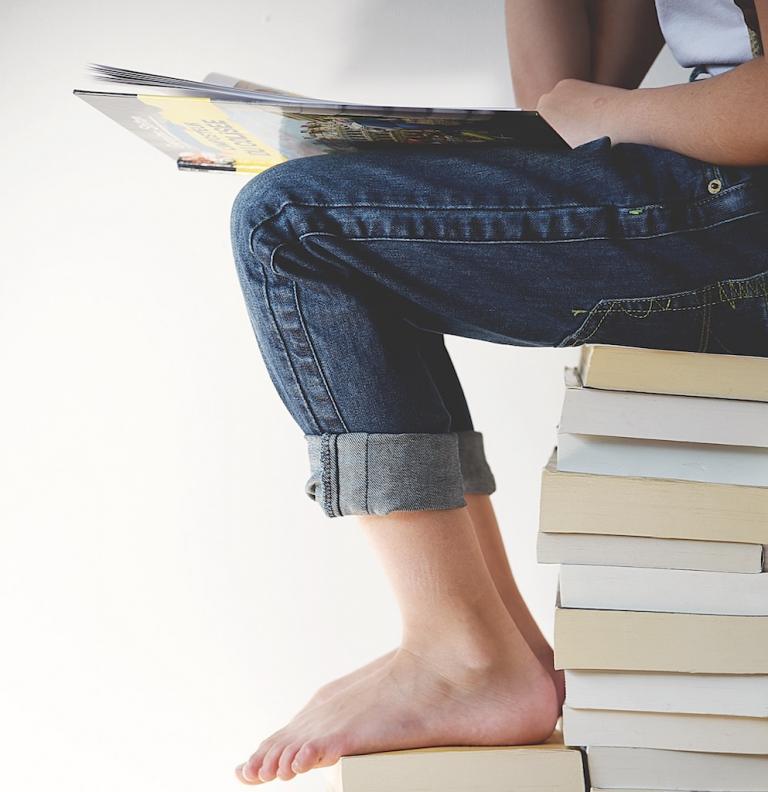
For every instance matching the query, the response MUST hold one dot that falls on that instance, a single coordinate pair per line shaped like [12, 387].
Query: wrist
[629, 117]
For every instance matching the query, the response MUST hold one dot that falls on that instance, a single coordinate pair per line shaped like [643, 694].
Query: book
[225, 124]
[648, 506]
[666, 371]
[666, 731]
[663, 590]
[703, 694]
[648, 552]
[680, 642]
[653, 416]
[648, 768]
[618, 456]
[550, 767]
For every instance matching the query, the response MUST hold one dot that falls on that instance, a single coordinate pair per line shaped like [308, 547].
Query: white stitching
[617, 238]
[502, 208]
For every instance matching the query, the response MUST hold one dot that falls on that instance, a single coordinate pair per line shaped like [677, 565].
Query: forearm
[722, 119]
[548, 41]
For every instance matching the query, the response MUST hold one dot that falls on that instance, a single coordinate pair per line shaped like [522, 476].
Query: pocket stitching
[608, 306]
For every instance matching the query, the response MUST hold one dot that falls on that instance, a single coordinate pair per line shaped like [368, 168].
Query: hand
[581, 111]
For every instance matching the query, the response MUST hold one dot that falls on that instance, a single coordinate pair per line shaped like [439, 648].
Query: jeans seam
[482, 207]
[315, 358]
[276, 326]
[367, 510]
[325, 471]
[439, 240]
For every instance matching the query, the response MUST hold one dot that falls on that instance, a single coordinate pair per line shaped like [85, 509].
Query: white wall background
[168, 594]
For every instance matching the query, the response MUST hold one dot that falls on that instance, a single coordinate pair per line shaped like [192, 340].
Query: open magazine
[226, 124]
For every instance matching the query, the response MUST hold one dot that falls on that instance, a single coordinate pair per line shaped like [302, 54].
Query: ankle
[473, 648]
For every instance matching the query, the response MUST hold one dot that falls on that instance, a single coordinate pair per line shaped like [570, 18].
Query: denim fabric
[355, 266]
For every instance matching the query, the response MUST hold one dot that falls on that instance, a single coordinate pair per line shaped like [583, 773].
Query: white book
[618, 456]
[645, 768]
[702, 694]
[663, 590]
[653, 416]
[643, 551]
[668, 731]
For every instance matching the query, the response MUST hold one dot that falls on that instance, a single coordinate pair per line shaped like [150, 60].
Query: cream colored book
[550, 767]
[664, 371]
[663, 590]
[648, 768]
[648, 552]
[666, 731]
[657, 507]
[743, 695]
[680, 642]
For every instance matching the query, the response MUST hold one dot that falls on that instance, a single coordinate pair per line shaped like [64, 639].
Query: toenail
[243, 770]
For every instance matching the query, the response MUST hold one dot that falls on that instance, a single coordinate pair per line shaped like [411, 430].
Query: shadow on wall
[434, 51]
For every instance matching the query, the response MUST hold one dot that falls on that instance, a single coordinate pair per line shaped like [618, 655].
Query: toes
[244, 774]
[268, 769]
[284, 769]
[250, 769]
[306, 757]
[316, 753]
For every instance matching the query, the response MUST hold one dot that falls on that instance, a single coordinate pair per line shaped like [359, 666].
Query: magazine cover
[233, 125]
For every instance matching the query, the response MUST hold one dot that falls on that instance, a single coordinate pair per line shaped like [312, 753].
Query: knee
[271, 198]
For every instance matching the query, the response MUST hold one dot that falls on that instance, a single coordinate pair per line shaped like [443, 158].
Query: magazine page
[265, 95]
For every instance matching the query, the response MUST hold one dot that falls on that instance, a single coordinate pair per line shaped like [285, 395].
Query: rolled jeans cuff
[362, 473]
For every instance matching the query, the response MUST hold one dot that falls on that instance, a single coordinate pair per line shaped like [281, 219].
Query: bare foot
[330, 689]
[416, 699]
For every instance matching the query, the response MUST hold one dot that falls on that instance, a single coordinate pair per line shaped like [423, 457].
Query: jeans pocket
[729, 316]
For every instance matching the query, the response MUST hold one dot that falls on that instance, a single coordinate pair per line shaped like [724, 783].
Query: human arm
[722, 119]
[551, 40]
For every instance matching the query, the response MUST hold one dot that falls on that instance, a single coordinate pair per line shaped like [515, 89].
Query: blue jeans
[355, 266]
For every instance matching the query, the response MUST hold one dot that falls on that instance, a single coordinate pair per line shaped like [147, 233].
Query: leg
[476, 477]
[463, 675]
[492, 545]
[494, 553]
[345, 260]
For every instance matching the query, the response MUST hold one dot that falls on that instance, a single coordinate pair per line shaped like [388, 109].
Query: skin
[723, 119]
[472, 667]
[461, 643]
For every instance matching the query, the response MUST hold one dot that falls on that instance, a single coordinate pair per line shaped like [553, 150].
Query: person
[652, 231]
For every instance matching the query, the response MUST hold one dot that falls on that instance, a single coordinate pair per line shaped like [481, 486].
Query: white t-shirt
[714, 35]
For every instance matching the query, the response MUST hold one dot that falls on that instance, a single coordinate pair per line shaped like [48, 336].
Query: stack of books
[655, 504]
